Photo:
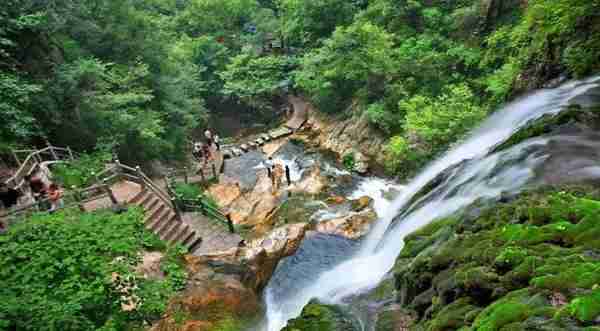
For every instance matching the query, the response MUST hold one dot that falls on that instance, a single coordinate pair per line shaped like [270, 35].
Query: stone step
[160, 219]
[181, 234]
[260, 141]
[162, 231]
[244, 147]
[138, 197]
[154, 214]
[265, 137]
[252, 145]
[144, 200]
[194, 244]
[151, 203]
[173, 231]
[187, 238]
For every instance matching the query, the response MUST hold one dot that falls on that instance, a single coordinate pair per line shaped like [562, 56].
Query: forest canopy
[137, 76]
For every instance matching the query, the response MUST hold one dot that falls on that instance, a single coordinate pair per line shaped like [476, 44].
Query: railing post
[78, 198]
[16, 158]
[214, 170]
[222, 166]
[176, 208]
[230, 224]
[70, 153]
[52, 151]
[185, 175]
[202, 174]
[138, 172]
[110, 193]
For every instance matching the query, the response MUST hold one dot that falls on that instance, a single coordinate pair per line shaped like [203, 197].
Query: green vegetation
[319, 317]
[96, 74]
[529, 262]
[349, 161]
[56, 272]
[81, 171]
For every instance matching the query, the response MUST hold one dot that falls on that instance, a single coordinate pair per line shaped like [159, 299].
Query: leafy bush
[55, 272]
[351, 59]
[80, 172]
[349, 161]
[257, 79]
[443, 120]
[187, 191]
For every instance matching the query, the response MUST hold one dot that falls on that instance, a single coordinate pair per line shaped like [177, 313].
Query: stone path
[300, 115]
[215, 235]
[234, 151]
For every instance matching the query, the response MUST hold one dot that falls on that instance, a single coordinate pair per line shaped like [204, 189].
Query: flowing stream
[330, 270]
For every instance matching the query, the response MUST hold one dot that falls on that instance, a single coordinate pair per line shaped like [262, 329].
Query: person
[277, 175]
[8, 196]
[206, 152]
[55, 195]
[217, 141]
[37, 187]
[209, 137]
[197, 151]
[269, 166]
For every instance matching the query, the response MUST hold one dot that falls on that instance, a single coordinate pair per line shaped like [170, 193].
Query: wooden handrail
[32, 161]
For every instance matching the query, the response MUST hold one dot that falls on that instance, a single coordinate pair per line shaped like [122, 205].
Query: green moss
[506, 263]
[319, 317]
[453, 316]
[586, 308]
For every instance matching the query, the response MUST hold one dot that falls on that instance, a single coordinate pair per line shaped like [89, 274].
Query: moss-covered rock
[503, 268]
[320, 317]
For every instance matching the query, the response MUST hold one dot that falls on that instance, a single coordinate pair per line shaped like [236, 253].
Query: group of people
[40, 192]
[202, 151]
[276, 170]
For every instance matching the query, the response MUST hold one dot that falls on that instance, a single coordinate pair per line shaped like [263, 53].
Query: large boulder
[256, 261]
[313, 183]
[352, 226]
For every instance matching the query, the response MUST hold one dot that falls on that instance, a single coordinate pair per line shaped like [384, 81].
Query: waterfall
[484, 175]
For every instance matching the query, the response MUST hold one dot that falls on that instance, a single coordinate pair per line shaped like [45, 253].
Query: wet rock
[313, 183]
[361, 163]
[259, 257]
[320, 317]
[353, 226]
[335, 200]
[346, 136]
[205, 305]
[394, 318]
[361, 203]
[225, 193]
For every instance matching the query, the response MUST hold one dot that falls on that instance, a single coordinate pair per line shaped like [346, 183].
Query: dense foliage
[135, 76]
[56, 272]
[522, 264]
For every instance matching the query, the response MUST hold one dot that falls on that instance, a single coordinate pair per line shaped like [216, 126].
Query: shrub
[55, 272]
[437, 122]
[80, 172]
[349, 161]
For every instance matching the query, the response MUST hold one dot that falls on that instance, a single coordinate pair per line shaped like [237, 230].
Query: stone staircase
[234, 151]
[163, 221]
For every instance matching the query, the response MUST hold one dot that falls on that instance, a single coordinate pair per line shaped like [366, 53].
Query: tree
[353, 58]
[257, 80]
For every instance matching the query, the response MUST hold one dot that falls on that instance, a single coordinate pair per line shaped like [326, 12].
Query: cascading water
[483, 176]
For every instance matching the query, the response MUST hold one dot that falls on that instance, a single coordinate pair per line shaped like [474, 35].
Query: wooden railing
[199, 204]
[100, 190]
[33, 160]
[71, 198]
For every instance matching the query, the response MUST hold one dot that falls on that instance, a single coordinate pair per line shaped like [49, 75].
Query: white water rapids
[485, 176]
